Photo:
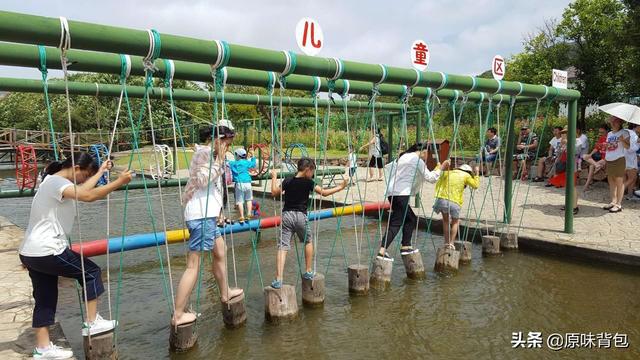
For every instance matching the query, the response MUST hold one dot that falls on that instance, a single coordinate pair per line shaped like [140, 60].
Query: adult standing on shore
[375, 155]
[45, 249]
[617, 143]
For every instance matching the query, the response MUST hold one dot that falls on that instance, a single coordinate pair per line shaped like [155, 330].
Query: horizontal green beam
[93, 89]
[91, 61]
[33, 29]
[140, 184]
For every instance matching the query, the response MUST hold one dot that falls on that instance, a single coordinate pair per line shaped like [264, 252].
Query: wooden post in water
[183, 337]
[100, 347]
[358, 279]
[464, 247]
[381, 274]
[234, 314]
[280, 304]
[490, 245]
[313, 291]
[509, 241]
[413, 265]
[447, 259]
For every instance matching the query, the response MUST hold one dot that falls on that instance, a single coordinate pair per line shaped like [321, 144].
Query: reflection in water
[470, 314]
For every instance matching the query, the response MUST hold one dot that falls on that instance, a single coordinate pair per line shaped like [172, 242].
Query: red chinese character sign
[309, 36]
[420, 55]
[498, 67]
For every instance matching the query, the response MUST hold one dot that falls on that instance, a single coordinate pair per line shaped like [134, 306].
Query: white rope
[147, 60]
[339, 69]
[220, 57]
[65, 35]
[418, 78]
[287, 64]
[345, 92]
[443, 82]
[499, 88]
[521, 89]
[384, 74]
[473, 84]
[546, 92]
[316, 84]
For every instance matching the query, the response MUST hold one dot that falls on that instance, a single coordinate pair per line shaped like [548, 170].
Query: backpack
[384, 147]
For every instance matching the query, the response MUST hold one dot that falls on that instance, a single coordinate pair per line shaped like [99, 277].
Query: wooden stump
[280, 304]
[447, 259]
[234, 314]
[101, 347]
[413, 265]
[490, 245]
[183, 337]
[509, 241]
[464, 247]
[313, 291]
[381, 275]
[358, 279]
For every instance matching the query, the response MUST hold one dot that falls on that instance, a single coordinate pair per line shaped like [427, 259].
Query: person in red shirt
[596, 157]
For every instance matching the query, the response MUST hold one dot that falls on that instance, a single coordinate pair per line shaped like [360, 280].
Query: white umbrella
[627, 112]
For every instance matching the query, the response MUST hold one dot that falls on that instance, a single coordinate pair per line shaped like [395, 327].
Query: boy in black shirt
[295, 192]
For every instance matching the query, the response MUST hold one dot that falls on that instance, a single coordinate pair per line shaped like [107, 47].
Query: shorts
[616, 167]
[202, 233]
[444, 206]
[522, 157]
[596, 156]
[244, 192]
[44, 272]
[376, 162]
[294, 222]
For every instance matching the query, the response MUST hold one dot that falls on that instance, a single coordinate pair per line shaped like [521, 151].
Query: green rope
[45, 87]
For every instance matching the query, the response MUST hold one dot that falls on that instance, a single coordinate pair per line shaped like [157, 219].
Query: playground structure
[97, 48]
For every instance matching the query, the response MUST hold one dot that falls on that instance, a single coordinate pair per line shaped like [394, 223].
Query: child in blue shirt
[242, 180]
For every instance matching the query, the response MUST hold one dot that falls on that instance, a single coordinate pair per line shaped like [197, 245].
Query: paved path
[597, 233]
[16, 303]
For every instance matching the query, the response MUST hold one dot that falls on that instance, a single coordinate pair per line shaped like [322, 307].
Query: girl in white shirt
[202, 206]
[617, 143]
[45, 250]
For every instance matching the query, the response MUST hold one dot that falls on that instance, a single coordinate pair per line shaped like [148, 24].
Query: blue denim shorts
[202, 233]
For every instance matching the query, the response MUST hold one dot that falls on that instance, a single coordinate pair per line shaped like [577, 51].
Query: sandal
[615, 209]
[449, 246]
[608, 207]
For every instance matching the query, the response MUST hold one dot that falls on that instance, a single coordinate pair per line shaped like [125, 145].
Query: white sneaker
[52, 352]
[98, 326]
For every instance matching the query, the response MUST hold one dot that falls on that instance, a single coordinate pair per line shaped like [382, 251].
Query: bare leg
[219, 269]
[42, 337]
[185, 287]
[92, 310]
[281, 258]
[454, 229]
[619, 190]
[631, 176]
[380, 174]
[541, 166]
[592, 170]
[612, 189]
[446, 230]
[308, 256]
[249, 208]
[241, 210]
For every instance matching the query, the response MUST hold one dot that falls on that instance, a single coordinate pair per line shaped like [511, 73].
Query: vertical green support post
[508, 166]
[418, 138]
[245, 140]
[260, 151]
[390, 136]
[570, 190]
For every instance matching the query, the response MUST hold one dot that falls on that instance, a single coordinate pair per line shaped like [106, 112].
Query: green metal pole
[570, 191]
[28, 56]
[390, 137]
[418, 138]
[90, 89]
[245, 139]
[32, 29]
[508, 165]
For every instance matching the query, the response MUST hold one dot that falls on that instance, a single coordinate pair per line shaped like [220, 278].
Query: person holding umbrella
[618, 141]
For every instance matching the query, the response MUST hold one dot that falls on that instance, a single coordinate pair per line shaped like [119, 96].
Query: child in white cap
[242, 180]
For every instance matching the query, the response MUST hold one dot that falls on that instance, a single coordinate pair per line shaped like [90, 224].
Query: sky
[463, 35]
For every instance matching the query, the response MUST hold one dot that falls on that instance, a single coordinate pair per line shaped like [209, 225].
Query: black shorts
[376, 162]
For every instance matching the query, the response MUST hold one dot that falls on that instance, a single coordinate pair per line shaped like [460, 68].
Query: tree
[595, 29]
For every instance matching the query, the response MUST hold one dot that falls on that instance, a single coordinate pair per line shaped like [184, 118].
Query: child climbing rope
[242, 181]
[45, 251]
[295, 191]
[449, 197]
[203, 205]
[406, 176]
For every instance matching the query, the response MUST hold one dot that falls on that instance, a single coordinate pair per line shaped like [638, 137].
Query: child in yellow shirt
[449, 197]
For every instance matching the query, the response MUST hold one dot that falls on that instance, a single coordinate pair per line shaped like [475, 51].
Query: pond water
[470, 314]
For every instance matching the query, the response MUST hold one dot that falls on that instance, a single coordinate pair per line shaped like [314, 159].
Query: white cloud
[464, 35]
